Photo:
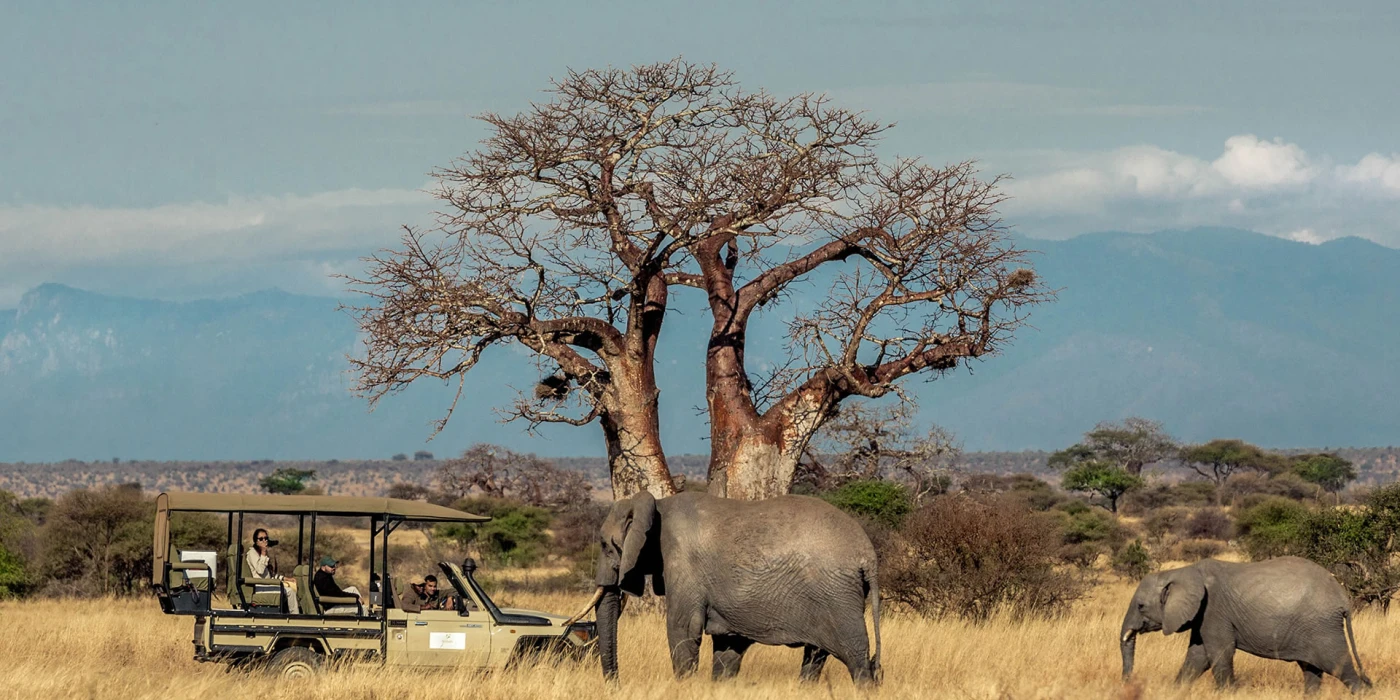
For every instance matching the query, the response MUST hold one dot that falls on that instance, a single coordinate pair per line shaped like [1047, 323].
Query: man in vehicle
[325, 585]
[425, 596]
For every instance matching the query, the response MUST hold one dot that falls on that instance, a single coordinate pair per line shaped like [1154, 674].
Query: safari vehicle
[252, 627]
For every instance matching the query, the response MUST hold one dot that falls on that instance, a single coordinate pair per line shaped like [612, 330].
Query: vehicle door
[446, 638]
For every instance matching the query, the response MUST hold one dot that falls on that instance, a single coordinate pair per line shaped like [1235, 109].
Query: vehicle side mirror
[461, 606]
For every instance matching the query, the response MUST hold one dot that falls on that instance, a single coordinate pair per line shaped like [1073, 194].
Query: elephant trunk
[609, 610]
[1128, 643]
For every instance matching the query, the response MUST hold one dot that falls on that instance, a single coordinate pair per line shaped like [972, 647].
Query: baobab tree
[568, 229]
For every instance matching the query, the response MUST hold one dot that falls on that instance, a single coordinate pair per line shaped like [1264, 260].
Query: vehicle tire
[295, 662]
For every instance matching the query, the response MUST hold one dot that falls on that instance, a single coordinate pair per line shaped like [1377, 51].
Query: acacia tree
[566, 231]
[1132, 444]
[1218, 459]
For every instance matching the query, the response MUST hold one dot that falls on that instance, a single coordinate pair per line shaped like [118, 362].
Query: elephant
[791, 570]
[1286, 608]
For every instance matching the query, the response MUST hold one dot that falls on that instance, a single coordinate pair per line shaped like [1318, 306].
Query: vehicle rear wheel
[295, 662]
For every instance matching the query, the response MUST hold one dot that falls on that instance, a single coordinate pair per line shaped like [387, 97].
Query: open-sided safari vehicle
[253, 625]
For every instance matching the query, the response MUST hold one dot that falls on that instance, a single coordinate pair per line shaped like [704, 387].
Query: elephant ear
[1182, 596]
[634, 541]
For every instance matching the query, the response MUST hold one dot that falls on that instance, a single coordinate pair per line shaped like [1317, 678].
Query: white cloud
[1250, 162]
[239, 228]
[1272, 186]
[1305, 235]
[1374, 171]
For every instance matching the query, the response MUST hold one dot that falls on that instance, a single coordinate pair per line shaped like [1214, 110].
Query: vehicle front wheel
[295, 662]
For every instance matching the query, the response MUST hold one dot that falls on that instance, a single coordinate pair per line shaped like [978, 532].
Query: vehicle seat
[390, 592]
[306, 593]
[179, 572]
[301, 574]
[264, 599]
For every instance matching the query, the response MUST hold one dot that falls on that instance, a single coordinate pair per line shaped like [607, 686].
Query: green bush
[883, 502]
[515, 536]
[287, 480]
[1133, 561]
[14, 575]
[1272, 528]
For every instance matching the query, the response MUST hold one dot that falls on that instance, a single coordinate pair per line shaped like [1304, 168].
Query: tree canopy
[568, 231]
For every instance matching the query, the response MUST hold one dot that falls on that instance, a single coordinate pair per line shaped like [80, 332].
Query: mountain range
[1214, 332]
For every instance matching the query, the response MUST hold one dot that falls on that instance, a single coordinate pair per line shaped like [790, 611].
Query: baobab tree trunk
[632, 429]
[754, 457]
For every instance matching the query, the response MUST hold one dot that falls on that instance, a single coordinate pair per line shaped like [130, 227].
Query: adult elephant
[1286, 608]
[791, 571]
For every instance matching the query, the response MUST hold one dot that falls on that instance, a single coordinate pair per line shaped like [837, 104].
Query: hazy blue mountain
[1215, 332]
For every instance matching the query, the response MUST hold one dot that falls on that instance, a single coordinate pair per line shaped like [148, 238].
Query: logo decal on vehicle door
[447, 640]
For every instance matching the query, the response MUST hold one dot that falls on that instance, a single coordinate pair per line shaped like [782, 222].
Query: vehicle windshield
[462, 582]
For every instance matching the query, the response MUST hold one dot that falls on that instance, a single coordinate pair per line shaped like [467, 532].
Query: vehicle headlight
[583, 632]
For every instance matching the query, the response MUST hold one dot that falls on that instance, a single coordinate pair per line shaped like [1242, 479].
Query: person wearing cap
[261, 565]
[325, 585]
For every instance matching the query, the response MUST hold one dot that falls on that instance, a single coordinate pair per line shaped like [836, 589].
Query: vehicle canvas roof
[323, 505]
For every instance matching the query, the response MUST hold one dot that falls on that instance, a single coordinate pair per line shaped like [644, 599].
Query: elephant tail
[1355, 655]
[872, 593]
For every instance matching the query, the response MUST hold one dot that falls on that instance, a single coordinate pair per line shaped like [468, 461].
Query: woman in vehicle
[262, 566]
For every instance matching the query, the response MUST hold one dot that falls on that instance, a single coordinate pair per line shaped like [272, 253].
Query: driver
[425, 596]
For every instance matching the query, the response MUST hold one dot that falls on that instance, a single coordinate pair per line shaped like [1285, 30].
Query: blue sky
[191, 149]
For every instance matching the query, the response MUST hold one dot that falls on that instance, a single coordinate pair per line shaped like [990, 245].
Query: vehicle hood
[553, 619]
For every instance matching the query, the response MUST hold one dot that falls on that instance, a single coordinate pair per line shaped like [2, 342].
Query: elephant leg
[1222, 665]
[729, 654]
[813, 659]
[1348, 674]
[854, 651]
[683, 630]
[1312, 677]
[1197, 661]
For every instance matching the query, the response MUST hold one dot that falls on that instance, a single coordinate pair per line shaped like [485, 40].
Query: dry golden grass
[127, 649]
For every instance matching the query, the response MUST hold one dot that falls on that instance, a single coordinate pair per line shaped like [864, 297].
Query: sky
[191, 149]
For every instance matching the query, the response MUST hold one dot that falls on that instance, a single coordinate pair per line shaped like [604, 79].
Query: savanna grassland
[125, 648]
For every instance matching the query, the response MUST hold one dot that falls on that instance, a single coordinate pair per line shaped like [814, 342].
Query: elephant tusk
[1128, 635]
[597, 596]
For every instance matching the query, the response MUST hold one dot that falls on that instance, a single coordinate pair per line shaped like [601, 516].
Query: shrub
[970, 557]
[576, 540]
[1249, 489]
[515, 536]
[1272, 528]
[1084, 524]
[1038, 494]
[1133, 561]
[1156, 496]
[1194, 493]
[883, 502]
[1196, 550]
[408, 491]
[1208, 524]
[287, 480]
[14, 575]
[1163, 521]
